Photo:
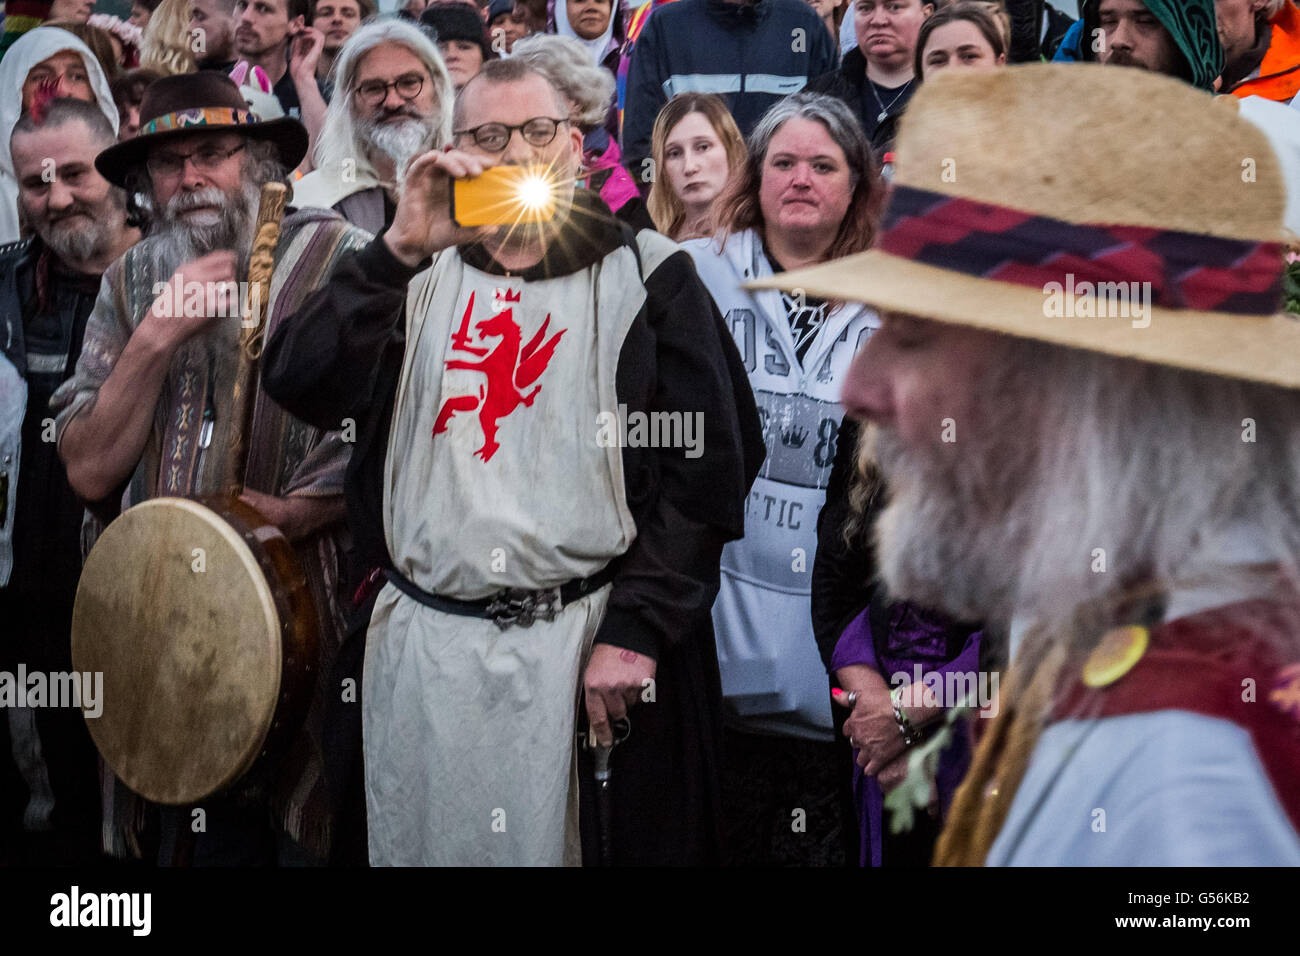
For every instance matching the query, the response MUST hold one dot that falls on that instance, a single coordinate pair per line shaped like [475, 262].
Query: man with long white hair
[392, 101]
[1088, 416]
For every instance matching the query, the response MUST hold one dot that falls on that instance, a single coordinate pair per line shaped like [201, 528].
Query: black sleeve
[843, 574]
[1026, 27]
[322, 363]
[687, 508]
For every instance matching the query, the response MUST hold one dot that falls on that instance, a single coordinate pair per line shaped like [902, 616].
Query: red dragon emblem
[508, 367]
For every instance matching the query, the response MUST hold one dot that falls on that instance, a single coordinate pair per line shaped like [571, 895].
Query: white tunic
[468, 730]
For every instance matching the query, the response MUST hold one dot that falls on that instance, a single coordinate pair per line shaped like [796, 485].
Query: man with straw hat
[148, 412]
[1088, 414]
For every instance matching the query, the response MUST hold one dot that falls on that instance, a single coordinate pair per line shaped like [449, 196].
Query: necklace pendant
[882, 117]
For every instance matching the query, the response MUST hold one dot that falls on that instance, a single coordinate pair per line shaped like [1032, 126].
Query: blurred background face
[337, 19]
[75, 210]
[1135, 37]
[65, 72]
[695, 161]
[78, 11]
[807, 185]
[140, 15]
[510, 27]
[887, 29]
[1236, 23]
[589, 18]
[261, 26]
[463, 60]
[825, 8]
[958, 45]
[215, 25]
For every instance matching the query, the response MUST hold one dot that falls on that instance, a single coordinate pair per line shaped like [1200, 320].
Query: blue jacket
[750, 54]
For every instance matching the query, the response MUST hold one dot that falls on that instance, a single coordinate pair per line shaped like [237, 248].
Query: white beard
[399, 141]
[958, 515]
[184, 239]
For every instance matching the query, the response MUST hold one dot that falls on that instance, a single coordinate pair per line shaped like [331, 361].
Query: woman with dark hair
[697, 151]
[964, 35]
[877, 78]
[128, 93]
[809, 191]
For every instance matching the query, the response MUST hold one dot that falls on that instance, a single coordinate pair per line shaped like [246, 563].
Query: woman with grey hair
[589, 90]
[809, 192]
[392, 101]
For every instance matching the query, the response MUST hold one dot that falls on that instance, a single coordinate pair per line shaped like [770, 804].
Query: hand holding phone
[422, 224]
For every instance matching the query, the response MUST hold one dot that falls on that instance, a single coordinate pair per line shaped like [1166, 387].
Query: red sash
[1208, 663]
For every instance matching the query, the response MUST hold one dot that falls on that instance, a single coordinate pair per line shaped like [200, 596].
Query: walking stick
[270, 210]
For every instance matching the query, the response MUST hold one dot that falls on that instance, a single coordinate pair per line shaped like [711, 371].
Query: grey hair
[497, 72]
[65, 110]
[567, 64]
[1160, 471]
[1271, 7]
[831, 112]
[338, 137]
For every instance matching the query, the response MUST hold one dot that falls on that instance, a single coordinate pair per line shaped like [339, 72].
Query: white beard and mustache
[182, 240]
[957, 517]
[400, 141]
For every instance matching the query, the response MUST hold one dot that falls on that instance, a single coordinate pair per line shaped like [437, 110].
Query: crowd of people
[813, 242]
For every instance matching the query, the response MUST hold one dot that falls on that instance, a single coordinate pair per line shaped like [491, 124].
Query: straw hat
[1013, 184]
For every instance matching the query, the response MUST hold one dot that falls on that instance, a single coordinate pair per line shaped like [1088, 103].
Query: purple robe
[915, 637]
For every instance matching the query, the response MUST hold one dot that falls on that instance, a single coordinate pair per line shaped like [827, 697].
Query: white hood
[33, 47]
[597, 47]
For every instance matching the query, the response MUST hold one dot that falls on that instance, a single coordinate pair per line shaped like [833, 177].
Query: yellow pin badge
[1115, 656]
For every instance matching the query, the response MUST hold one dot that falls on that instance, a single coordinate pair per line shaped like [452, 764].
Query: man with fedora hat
[148, 411]
[1087, 410]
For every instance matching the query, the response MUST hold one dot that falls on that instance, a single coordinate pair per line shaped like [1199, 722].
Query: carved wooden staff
[270, 210]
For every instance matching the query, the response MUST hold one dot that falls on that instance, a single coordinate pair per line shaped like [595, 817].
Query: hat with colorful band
[193, 103]
[1096, 207]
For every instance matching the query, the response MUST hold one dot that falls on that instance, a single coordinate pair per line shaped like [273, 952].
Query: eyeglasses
[206, 159]
[374, 92]
[494, 137]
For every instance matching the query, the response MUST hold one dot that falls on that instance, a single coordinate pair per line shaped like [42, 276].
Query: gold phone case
[504, 196]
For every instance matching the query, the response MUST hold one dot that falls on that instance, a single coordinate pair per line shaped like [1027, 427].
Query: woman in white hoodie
[42, 58]
[809, 192]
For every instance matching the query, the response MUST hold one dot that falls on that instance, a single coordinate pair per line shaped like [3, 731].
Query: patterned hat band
[1184, 270]
[198, 117]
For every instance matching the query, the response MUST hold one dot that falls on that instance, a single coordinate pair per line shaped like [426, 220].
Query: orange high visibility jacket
[1279, 73]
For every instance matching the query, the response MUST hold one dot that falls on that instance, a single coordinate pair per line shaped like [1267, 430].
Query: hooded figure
[604, 48]
[32, 48]
[1190, 22]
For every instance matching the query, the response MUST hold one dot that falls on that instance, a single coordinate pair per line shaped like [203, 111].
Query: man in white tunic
[545, 553]
[1087, 412]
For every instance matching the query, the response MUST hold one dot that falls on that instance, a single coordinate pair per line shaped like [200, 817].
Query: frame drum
[197, 613]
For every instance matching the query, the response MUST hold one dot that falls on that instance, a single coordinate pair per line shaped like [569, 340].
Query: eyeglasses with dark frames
[495, 137]
[167, 165]
[374, 92]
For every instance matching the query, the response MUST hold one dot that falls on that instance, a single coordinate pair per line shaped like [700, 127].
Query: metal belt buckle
[521, 606]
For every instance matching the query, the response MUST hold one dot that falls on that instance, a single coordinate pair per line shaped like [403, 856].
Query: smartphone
[504, 196]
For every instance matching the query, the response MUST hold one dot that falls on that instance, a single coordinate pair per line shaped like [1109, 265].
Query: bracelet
[910, 734]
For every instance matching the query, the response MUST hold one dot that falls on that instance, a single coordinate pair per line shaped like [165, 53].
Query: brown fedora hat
[194, 102]
[1118, 211]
